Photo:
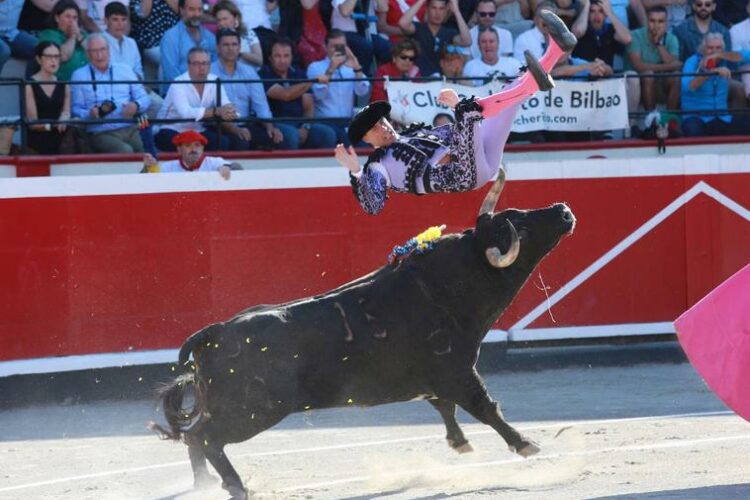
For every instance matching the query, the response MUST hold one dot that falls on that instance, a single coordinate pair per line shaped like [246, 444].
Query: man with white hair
[705, 87]
[100, 97]
[485, 18]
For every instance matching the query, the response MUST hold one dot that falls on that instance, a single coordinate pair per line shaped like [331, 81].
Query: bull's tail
[172, 396]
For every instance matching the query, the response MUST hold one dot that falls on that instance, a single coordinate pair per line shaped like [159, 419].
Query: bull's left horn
[498, 259]
[488, 205]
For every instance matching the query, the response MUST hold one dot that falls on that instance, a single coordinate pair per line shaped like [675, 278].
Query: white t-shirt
[505, 66]
[254, 13]
[210, 164]
[505, 42]
[531, 40]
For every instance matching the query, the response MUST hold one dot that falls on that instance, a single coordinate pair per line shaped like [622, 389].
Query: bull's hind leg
[471, 394]
[454, 434]
[201, 477]
[231, 481]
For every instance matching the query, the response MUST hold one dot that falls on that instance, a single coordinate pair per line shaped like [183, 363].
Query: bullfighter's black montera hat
[366, 119]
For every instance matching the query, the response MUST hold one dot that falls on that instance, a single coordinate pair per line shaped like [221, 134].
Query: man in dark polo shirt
[288, 99]
[600, 33]
[433, 33]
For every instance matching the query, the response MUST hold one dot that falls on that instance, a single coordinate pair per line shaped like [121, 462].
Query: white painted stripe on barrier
[86, 362]
[588, 332]
[381, 442]
[7, 171]
[326, 173]
[700, 187]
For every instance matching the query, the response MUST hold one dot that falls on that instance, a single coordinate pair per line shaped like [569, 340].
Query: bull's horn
[499, 259]
[488, 205]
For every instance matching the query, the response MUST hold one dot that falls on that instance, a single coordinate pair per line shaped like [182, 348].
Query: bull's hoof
[531, 448]
[238, 493]
[464, 448]
[204, 481]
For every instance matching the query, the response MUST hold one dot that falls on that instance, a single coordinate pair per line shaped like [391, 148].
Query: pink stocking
[517, 92]
[551, 56]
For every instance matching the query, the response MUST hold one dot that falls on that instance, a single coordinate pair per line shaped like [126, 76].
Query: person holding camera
[333, 98]
[98, 94]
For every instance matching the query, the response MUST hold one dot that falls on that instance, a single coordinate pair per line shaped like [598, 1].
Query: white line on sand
[131, 470]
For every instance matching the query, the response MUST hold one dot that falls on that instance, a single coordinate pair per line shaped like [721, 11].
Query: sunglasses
[486, 14]
[452, 49]
[407, 58]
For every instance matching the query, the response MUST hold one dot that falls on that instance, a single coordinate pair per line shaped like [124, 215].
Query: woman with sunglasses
[402, 67]
[451, 158]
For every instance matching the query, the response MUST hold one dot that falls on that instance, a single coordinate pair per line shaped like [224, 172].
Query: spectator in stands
[575, 67]
[35, 15]
[104, 99]
[490, 65]
[601, 35]
[301, 21]
[191, 147]
[389, 13]
[432, 33]
[183, 37]
[709, 90]
[197, 103]
[14, 42]
[677, 10]
[740, 35]
[249, 98]
[361, 37]
[86, 21]
[150, 20]
[122, 48]
[49, 100]
[691, 32]
[653, 50]
[68, 36]
[535, 40]
[485, 15]
[290, 99]
[257, 16]
[335, 99]
[514, 16]
[402, 67]
[228, 16]
[620, 10]
[452, 63]
[567, 10]
[730, 12]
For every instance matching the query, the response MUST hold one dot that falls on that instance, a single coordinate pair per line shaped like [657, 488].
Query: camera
[106, 108]
[340, 49]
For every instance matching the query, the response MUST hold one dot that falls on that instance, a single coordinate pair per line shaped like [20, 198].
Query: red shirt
[394, 14]
[387, 69]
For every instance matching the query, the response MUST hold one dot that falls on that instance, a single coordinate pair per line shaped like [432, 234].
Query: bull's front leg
[454, 434]
[470, 393]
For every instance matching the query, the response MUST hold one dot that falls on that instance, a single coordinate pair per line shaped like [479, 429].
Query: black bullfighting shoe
[543, 80]
[558, 31]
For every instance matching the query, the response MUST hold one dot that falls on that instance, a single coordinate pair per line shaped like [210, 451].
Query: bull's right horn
[498, 259]
[488, 205]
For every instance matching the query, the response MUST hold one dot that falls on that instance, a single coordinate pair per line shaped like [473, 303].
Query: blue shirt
[86, 96]
[244, 96]
[336, 99]
[175, 46]
[711, 94]
[690, 37]
[125, 52]
[10, 12]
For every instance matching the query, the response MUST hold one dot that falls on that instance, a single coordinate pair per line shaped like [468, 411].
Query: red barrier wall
[118, 263]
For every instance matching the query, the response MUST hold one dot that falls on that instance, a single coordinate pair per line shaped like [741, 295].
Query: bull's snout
[566, 214]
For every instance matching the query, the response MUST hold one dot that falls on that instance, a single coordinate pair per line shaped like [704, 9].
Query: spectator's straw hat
[366, 119]
[189, 136]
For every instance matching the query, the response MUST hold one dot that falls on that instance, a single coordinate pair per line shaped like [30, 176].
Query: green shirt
[77, 59]
[648, 51]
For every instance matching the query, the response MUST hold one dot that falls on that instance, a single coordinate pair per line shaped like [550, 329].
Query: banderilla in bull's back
[410, 329]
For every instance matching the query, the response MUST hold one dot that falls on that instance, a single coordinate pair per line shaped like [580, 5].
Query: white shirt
[125, 52]
[531, 40]
[209, 164]
[505, 66]
[183, 101]
[254, 13]
[505, 42]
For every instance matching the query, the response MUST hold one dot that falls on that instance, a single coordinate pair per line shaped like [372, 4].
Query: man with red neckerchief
[191, 148]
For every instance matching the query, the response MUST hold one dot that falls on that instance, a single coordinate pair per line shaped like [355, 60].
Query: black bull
[402, 332]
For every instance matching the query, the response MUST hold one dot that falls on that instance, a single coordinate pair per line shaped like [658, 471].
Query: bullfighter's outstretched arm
[370, 187]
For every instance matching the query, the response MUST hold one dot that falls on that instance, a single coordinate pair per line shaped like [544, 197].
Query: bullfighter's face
[382, 134]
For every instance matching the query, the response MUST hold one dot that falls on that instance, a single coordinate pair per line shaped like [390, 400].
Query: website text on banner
[571, 106]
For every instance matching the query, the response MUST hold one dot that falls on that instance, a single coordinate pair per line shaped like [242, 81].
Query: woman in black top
[49, 100]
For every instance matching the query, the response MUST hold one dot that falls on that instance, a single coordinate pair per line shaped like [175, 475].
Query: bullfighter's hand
[347, 158]
[448, 97]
